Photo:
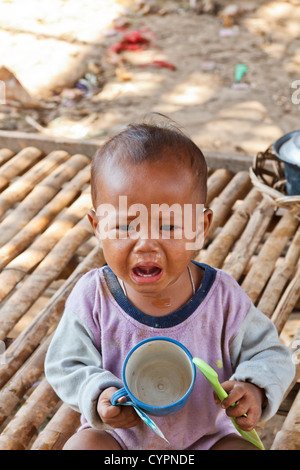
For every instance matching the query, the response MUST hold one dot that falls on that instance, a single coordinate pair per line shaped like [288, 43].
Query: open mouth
[146, 274]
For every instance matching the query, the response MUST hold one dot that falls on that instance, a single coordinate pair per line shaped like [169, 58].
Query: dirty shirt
[219, 324]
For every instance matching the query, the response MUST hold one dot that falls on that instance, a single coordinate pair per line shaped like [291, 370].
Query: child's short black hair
[144, 142]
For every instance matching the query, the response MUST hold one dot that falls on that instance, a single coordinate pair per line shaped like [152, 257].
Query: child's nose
[146, 245]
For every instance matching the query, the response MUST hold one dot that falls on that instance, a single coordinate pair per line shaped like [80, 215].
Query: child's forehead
[164, 170]
[168, 165]
[171, 189]
[172, 159]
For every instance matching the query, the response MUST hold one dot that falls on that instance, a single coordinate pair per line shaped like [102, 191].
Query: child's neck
[168, 301]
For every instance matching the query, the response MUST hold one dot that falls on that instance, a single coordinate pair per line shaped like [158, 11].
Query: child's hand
[114, 415]
[248, 398]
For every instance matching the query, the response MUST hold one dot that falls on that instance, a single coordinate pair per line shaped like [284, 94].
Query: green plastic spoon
[212, 376]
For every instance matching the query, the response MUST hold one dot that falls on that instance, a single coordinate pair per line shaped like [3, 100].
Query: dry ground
[51, 45]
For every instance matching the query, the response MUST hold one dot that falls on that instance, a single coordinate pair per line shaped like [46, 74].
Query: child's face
[151, 258]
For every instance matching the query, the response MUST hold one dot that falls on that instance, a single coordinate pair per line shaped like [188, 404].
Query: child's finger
[129, 416]
[235, 393]
[122, 400]
[216, 398]
[239, 409]
[107, 410]
[247, 423]
[227, 386]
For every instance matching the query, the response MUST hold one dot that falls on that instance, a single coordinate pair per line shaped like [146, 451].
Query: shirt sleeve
[73, 367]
[258, 356]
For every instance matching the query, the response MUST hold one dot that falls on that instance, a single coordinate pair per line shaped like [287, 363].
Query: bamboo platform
[47, 244]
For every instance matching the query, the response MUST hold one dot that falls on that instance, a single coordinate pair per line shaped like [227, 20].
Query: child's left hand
[248, 398]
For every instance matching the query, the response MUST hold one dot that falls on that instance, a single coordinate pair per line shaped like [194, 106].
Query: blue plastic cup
[158, 376]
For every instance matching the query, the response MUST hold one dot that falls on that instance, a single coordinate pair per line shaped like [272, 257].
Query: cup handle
[119, 394]
[123, 393]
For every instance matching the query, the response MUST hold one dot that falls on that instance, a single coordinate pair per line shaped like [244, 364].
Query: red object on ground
[132, 41]
[162, 63]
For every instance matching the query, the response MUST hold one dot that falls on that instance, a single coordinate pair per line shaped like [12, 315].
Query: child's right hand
[114, 415]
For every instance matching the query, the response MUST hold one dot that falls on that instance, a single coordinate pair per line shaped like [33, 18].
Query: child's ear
[208, 217]
[92, 218]
[203, 224]
[94, 223]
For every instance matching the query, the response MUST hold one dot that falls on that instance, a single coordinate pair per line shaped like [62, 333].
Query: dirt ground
[61, 52]
[75, 79]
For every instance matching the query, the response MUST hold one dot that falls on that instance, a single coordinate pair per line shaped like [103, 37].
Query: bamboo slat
[219, 248]
[25, 377]
[40, 196]
[18, 164]
[287, 302]
[288, 438]
[23, 346]
[280, 277]
[5, 155]
[239, 185]
[25, 236]
[217, 182]
[16, 270]
[294, 348]
[58, 430]
[47, 271]
[261, 271]
[20, 188]
[245, 247]
[28, 419]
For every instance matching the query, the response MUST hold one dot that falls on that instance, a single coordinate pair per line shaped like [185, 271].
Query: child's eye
[168, 228]
[126, 228]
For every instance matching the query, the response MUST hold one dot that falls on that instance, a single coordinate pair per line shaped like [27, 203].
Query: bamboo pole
[12, 394]
[28, 419]
[249, 240]
[222, 205]
[217, 182]
[20, 188]
[18, 164]
[23, 239]
[16, 270]
[261, 271]
[294, 348]
[219, 248]
[5, 155]
[280, 277]
[47, 271]
[40, 196]
[23, 346]
[59, 429]
[288, 438]
[287, 302]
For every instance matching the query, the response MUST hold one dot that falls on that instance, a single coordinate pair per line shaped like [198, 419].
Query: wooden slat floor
[46, 245]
